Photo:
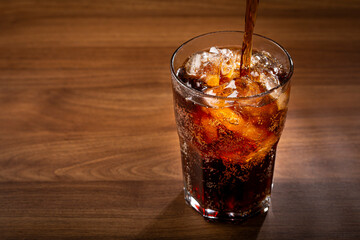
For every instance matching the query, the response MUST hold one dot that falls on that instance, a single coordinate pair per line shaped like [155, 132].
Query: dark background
[88, 144]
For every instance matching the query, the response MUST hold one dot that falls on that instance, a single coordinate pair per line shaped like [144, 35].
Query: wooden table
[88, 143]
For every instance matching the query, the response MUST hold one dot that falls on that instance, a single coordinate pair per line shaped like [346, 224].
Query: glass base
[213, 215]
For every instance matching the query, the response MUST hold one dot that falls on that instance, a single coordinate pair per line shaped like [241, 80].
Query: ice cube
[214, 50]
[268, 81]
[283, 100]
[215, 65]
[234, 122]
[247, 87]
[204, 66]
[225, 90]
[263, 148]
[209, 129]
[263, 61]
[230, 63]
[240, 87]
[227, 67]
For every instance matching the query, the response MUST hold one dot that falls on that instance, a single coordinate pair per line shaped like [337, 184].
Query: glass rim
[202, 94]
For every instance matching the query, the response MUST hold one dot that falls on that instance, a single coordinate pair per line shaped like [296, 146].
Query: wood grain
[88, 143]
